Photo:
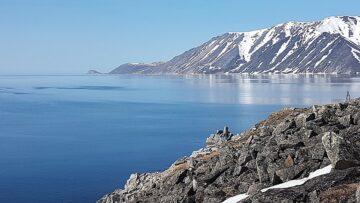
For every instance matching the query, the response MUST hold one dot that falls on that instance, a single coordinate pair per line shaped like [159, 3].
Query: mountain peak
[291, 47]
[346, 26]
[343, 18]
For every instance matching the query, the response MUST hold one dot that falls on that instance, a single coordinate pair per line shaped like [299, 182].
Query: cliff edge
[262, 163]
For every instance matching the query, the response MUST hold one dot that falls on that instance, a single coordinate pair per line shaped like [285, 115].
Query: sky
[73, 36]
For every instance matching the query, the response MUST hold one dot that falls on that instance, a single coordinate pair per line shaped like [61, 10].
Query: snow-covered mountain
[328, 46]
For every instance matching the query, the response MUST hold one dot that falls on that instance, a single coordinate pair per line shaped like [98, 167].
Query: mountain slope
[328, 46]
[135, 68]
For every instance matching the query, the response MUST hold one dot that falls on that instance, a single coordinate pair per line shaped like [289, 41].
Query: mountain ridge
[331, 45]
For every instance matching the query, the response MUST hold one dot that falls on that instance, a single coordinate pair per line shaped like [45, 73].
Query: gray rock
[239, 170]
[266, 131]
[342, 153]
[286, 174]
[244, 158]
[256, 187]
[283, 126]
[317, 151]
[261, 165]
[301, 119]
[357, 118]
[346, 120]
[289, 145]
[313, 197]
[251, 164]
[243, 187]
[322, 184]
[220, 137]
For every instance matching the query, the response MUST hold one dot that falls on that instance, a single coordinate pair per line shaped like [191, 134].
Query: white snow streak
[236, 198]
[355, 53]
[245, 45]
[288, 184]
[224, 50]
[250, 42]
[282, 48]
[293, 183]
[326, 46]
[321, 60]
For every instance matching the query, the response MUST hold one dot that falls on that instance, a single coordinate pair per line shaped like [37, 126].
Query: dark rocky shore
[288, 145]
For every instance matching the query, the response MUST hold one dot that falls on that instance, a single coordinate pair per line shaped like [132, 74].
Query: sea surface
[76, 138]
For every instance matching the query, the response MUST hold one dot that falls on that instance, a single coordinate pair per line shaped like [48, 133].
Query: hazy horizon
[52, 37]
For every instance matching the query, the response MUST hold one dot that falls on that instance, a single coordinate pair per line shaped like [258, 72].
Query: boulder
[239, 170]
[220, 137]
[317, 151]
[243, 187]
[244, 158]
[256, 187]
[266, 131]
[346, 120]
[341, 152]
[283, 126]
[301, 119]
[261, 166]
[356, 119]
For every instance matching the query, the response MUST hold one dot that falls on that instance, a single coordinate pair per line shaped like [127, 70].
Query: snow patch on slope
[288, 184]
[236, 198]
[355, 53]
[293, 183]
[282, 48]
[347, 27]
[246, 44]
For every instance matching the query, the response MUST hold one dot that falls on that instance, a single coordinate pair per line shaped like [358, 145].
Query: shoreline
[290, 144]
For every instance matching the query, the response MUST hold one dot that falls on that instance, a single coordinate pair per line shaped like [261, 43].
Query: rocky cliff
[288, 145]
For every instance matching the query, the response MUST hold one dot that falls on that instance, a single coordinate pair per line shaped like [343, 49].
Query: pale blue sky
[72, 36]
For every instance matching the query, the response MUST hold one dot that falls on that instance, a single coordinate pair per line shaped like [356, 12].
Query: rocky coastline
[289, 145]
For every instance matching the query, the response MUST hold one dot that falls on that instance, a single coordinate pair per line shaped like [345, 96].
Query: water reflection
[227, 89]
[276, 89]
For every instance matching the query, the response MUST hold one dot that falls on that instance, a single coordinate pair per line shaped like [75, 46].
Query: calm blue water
[75, 138]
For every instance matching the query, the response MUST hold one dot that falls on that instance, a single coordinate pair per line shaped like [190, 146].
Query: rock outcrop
[341, 152]
[220, 137]
[288, 145]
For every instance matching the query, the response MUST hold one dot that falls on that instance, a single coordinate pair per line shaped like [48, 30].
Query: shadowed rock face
[328, 46]
[288, 145]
